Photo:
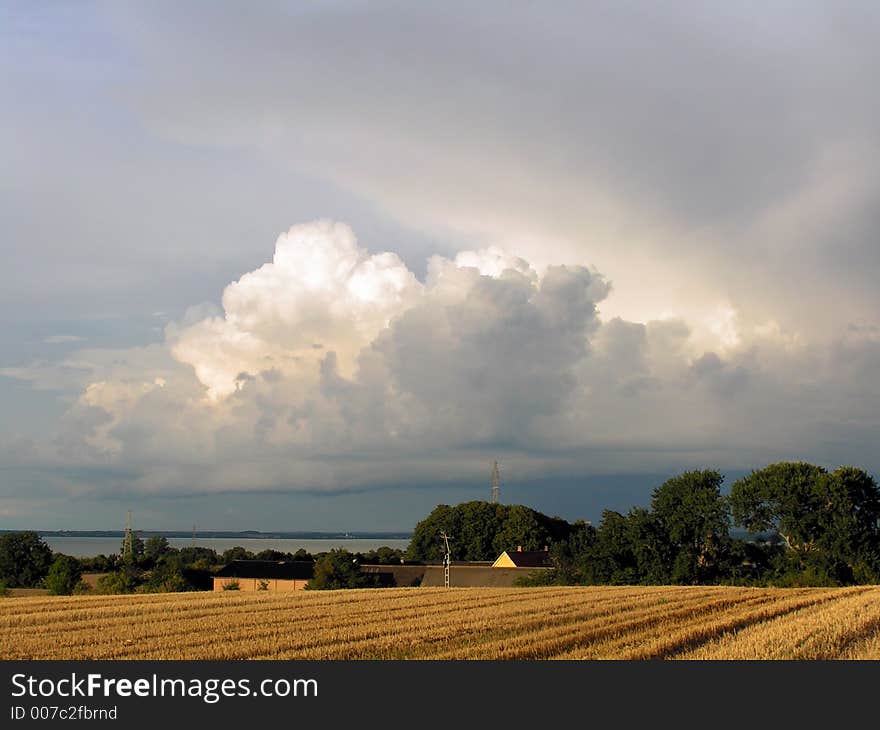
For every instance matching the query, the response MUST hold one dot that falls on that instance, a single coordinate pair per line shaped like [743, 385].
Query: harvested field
[465, 623]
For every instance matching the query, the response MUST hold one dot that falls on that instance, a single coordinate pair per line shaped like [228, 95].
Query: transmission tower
[447, 558]
[496, 483]
[128, 543]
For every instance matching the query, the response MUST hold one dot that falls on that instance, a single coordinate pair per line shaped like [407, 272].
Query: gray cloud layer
[691, 192]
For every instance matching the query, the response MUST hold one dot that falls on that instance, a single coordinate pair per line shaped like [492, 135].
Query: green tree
[519, 527]
[155, 547]
[649, 546]
[167, 576]
[425, 543]
[124, 580]
[382, 556]
[787, 498]
[571, 558]
[850, 535]
[482, 531]
[199, 558]
[63, 576]
[338, 569]
[828, 521]
[24, 559]
[611, 558]
[98, 564]
[270, 554]
[237, 553]
[693, 516]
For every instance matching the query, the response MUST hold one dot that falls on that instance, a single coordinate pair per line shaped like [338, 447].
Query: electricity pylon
[128, 543]
[496, 483]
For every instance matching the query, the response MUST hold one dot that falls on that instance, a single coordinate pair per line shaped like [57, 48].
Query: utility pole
[447, 558]
[496, 483]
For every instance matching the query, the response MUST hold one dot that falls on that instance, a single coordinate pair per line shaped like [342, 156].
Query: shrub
[232, 585]
[539, 578]
[122, 581]
[63, 576]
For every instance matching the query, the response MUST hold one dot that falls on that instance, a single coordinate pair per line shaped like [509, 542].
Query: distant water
[89, 547]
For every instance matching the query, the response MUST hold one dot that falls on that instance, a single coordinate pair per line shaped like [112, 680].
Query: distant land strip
[244, 534]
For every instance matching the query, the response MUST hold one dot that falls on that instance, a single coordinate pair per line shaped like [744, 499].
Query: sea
[89, 547]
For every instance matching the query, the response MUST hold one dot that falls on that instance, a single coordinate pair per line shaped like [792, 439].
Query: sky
[317, 265]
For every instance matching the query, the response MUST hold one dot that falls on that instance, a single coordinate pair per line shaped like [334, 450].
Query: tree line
[154, 566]
[804, 525]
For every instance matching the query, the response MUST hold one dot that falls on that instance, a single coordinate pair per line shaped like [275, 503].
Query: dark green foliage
[155, 547]
[541, 578]
[382, 556]
[199, 558]
[784, 497]
[236, 553]
[24, 559]
[568, 556]
[812, 528]
[482, 531]
[691, 517]
[124, 580]
[98, 564]
[339, 569]
[63, 576]
[611, 558]
[270, 555]
[828, 521]
[167, 576]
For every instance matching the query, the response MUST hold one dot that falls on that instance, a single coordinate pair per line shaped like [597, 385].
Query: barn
[264, 575]
[520, 558]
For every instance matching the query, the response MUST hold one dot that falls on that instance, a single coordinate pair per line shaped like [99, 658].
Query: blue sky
[316, 267]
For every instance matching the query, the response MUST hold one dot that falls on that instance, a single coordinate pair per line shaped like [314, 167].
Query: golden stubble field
[458, 623]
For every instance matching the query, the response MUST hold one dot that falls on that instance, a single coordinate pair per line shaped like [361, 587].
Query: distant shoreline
[225, 534]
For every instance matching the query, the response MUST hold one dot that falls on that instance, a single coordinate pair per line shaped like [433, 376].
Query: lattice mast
[447, 558]
[128, 542]
[496, 483]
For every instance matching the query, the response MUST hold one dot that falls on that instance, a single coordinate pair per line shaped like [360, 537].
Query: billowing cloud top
[333, 368]
[321, 293]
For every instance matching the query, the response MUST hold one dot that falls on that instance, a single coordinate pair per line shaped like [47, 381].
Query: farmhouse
[520, 558]
[264, 575]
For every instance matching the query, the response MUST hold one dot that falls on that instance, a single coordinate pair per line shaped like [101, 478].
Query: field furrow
[629, 622]
[823, 630]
